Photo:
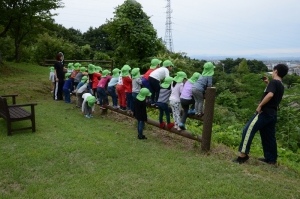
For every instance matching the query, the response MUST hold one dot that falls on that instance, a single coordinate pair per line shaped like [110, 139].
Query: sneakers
[123, 108]
[265, 161]
[169, 126]
[91, 115]
[142, 137]
[241, 160]
[87, 116]
[191, 112]
[162, 125]
[182, 126]
[199, 114]
[102, 107]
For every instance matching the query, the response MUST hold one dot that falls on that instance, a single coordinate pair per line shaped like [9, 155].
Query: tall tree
[242, 68]
[25, 17]
[131, 32]
[98, 39]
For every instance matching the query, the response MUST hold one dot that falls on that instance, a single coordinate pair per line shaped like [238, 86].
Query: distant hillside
[257, 57]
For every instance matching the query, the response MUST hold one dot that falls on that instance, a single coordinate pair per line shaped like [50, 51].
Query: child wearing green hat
[140, 111]
[127, 83]
[70, 68]
[121, 93]
[91, 69]
[74, 73]
[176, 88]
[52, 78]
[200, 86]
[67, 88]
[155, 63]
[111, 87]
[186, 98]
[80, 90]
[82, 72]
[101, 89]
[96, 78]
[88, 105]
[162, 102]
[156, 77]
[136, 83]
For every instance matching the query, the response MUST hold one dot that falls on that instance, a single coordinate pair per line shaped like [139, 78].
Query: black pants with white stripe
[265, 124]
[58, 90]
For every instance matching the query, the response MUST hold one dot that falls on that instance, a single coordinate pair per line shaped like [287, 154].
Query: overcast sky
[207, 27]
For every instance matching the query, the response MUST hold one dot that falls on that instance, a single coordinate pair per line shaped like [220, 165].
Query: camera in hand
[263, 78]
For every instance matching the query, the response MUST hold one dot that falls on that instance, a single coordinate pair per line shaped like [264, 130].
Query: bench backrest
[3, 107]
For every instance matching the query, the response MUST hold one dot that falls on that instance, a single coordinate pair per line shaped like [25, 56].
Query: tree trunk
[17, 51]
[1, 58]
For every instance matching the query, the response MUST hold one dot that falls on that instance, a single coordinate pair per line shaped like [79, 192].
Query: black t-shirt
[277, 88]
[140, 110]
[58, 66]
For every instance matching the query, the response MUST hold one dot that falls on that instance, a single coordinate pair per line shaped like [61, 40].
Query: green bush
[7, 48]
[47, 46]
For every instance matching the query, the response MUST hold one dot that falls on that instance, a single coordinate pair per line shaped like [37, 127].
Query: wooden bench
[15, 112]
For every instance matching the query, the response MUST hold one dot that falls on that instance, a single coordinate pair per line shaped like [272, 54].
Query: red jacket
[146, 75]
[96, 78]
[127, 83]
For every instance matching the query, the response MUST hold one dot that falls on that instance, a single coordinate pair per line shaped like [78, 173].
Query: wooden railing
[110, 63]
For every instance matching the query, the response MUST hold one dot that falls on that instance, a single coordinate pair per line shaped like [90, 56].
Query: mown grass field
[70, 156]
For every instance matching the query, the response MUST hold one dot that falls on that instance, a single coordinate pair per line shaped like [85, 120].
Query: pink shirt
[104, 81]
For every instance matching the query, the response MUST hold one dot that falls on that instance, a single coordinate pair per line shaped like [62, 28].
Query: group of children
[130, 91]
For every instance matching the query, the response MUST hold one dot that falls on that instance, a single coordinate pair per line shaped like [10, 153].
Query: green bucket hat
[125, 70]
[91, 68]
[91, 100]
[208, 69]
[154, 63]
[135, 73]
[51, 69]
[70, 66]
[105, 73]
[194, 77]
[180, 76]
[167, 63]
[98, 69]
[67, 75]
[84, 79]
[76, 66]
[116, 72]
[144, 92]
[82, 69]
[167, 82]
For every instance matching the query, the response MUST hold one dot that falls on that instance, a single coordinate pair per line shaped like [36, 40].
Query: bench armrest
[13, 96]
[21, 105]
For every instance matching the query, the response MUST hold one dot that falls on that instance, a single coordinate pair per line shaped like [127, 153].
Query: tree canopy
[25, 17]
[131, 33]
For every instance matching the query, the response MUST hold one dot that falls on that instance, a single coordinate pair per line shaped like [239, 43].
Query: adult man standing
[265, 119]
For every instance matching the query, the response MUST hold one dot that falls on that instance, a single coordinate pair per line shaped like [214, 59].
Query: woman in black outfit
[59, 77]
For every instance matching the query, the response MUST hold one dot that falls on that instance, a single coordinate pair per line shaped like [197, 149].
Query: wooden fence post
[208, 117]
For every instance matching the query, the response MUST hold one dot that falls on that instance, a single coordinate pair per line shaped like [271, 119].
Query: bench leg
[33, 124]
[8, 129]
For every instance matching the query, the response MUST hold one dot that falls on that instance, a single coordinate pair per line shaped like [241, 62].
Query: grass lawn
[70, 156]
